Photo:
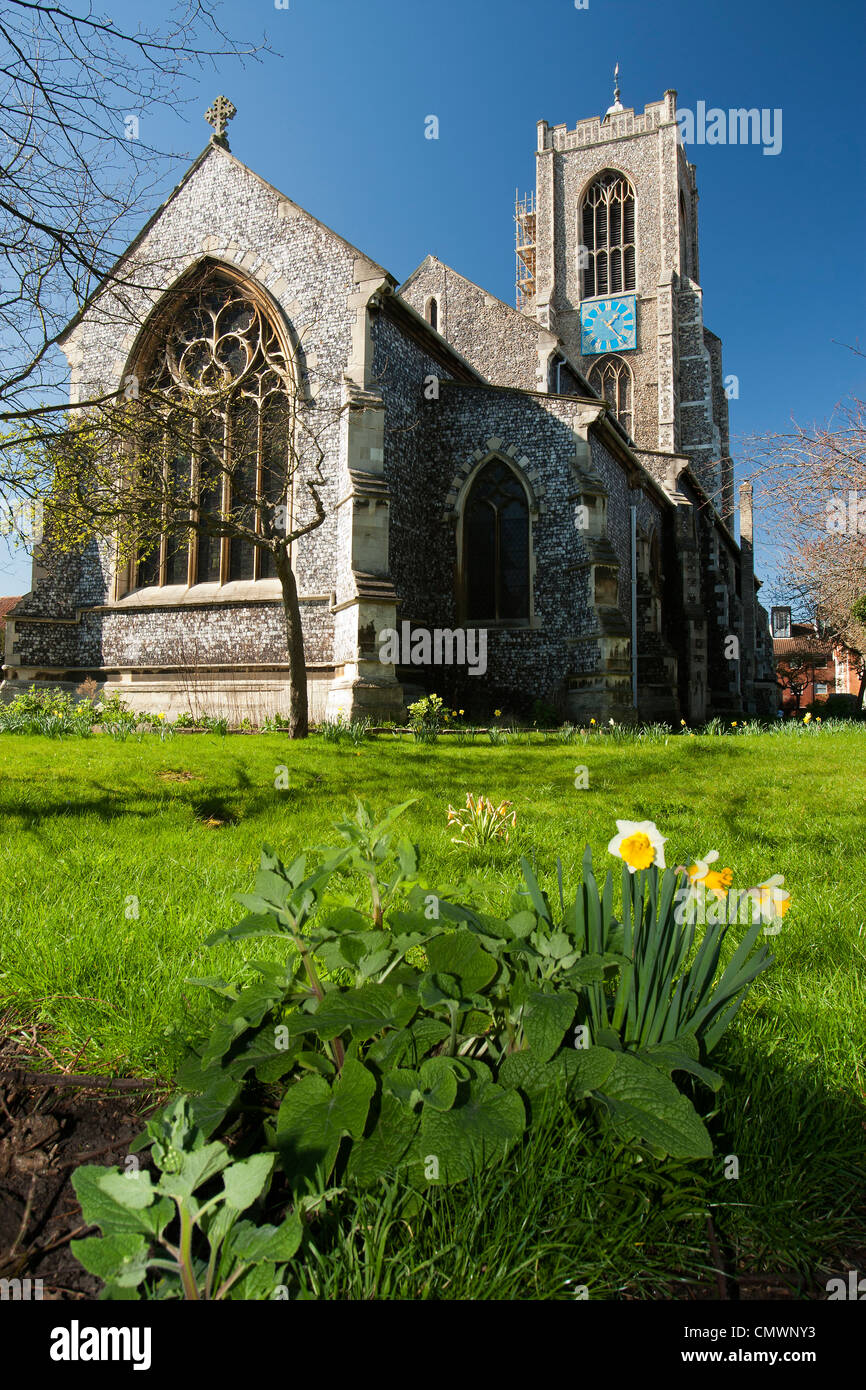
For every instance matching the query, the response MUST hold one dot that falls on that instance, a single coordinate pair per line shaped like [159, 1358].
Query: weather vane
[617, 105]
[219, 116]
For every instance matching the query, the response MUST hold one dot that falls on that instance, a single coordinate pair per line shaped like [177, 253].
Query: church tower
[607, 258]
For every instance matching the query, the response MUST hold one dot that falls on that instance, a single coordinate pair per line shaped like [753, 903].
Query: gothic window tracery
[608, 235]
[611, 378]
[221, 363]
[496, 547]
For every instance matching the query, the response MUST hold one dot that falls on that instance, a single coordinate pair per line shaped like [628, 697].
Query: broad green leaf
[647, 1106]
[426, 1033]
[366, 1011]
[473, 1133]
[197, 1167]
[119, 1258]
[439, 988]
[315, 1061]
[245, 1180]
[586, 1068]
[580, 1070]
[589, 969]
[314, 1117]
[521, 925]
[211, 1107]
[458, 953]
[261, 1053]
[438, 1083]
[132, 1189]
[389, 1051]
[258, 1284]
[277, 1243]
[101, 1208]
[405, 1084]
[256, 924]
[215, 983]
[680, 1055]
[545, 1020]
[380, 1154]
[526, 1072]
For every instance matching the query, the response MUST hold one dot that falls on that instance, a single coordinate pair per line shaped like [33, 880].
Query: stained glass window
[496, 547]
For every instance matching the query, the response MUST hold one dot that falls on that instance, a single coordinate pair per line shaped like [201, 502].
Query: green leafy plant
[332, 730]
[181, 1236]
[480, 823]
[420, 1037]
[427, 718]
[357, 731]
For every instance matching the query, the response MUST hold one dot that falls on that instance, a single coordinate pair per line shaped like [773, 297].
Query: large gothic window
[496, 547]
[610, 377]
[220, 365]
[607, 234]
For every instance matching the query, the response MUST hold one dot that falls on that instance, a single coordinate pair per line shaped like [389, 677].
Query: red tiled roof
[807, 645]
[6, 604]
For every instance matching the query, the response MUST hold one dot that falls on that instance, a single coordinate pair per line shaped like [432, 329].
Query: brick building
[810, 667]
[557, 475]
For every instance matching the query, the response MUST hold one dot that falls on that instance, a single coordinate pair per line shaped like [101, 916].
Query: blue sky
[335, 117]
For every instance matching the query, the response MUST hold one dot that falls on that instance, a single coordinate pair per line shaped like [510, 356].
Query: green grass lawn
[115, 869]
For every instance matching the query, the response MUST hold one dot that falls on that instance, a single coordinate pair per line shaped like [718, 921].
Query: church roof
[212, 145]
[525, 319]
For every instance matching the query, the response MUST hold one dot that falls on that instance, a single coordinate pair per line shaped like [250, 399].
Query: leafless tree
[78, 97]
[811, 484]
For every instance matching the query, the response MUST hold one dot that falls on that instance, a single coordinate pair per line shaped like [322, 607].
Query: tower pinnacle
[617, 105]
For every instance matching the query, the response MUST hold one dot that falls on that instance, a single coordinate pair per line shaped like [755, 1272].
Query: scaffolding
[524, 244]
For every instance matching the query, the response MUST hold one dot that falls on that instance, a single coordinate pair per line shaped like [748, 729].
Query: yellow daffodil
[683, 723]
[497, 713]
[772, 899]
[716, 881]
[639, 844]
[806, 718]
[592, 721]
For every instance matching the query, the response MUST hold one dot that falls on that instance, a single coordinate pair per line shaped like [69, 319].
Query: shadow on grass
[794, 1199]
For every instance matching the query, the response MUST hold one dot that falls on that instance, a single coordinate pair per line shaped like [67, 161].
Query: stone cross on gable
[219, 116]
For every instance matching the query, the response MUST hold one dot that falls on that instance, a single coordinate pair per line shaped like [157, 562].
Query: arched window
[432, 314]
[610, 377]
[496, 547]
[607, 233]
[219, 360]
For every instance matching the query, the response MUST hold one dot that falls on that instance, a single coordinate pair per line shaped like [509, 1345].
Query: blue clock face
[608, 325]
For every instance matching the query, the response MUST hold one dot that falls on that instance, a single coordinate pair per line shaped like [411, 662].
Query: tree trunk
[299, 713]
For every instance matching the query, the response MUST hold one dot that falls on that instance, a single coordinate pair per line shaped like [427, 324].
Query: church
[551, 483]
